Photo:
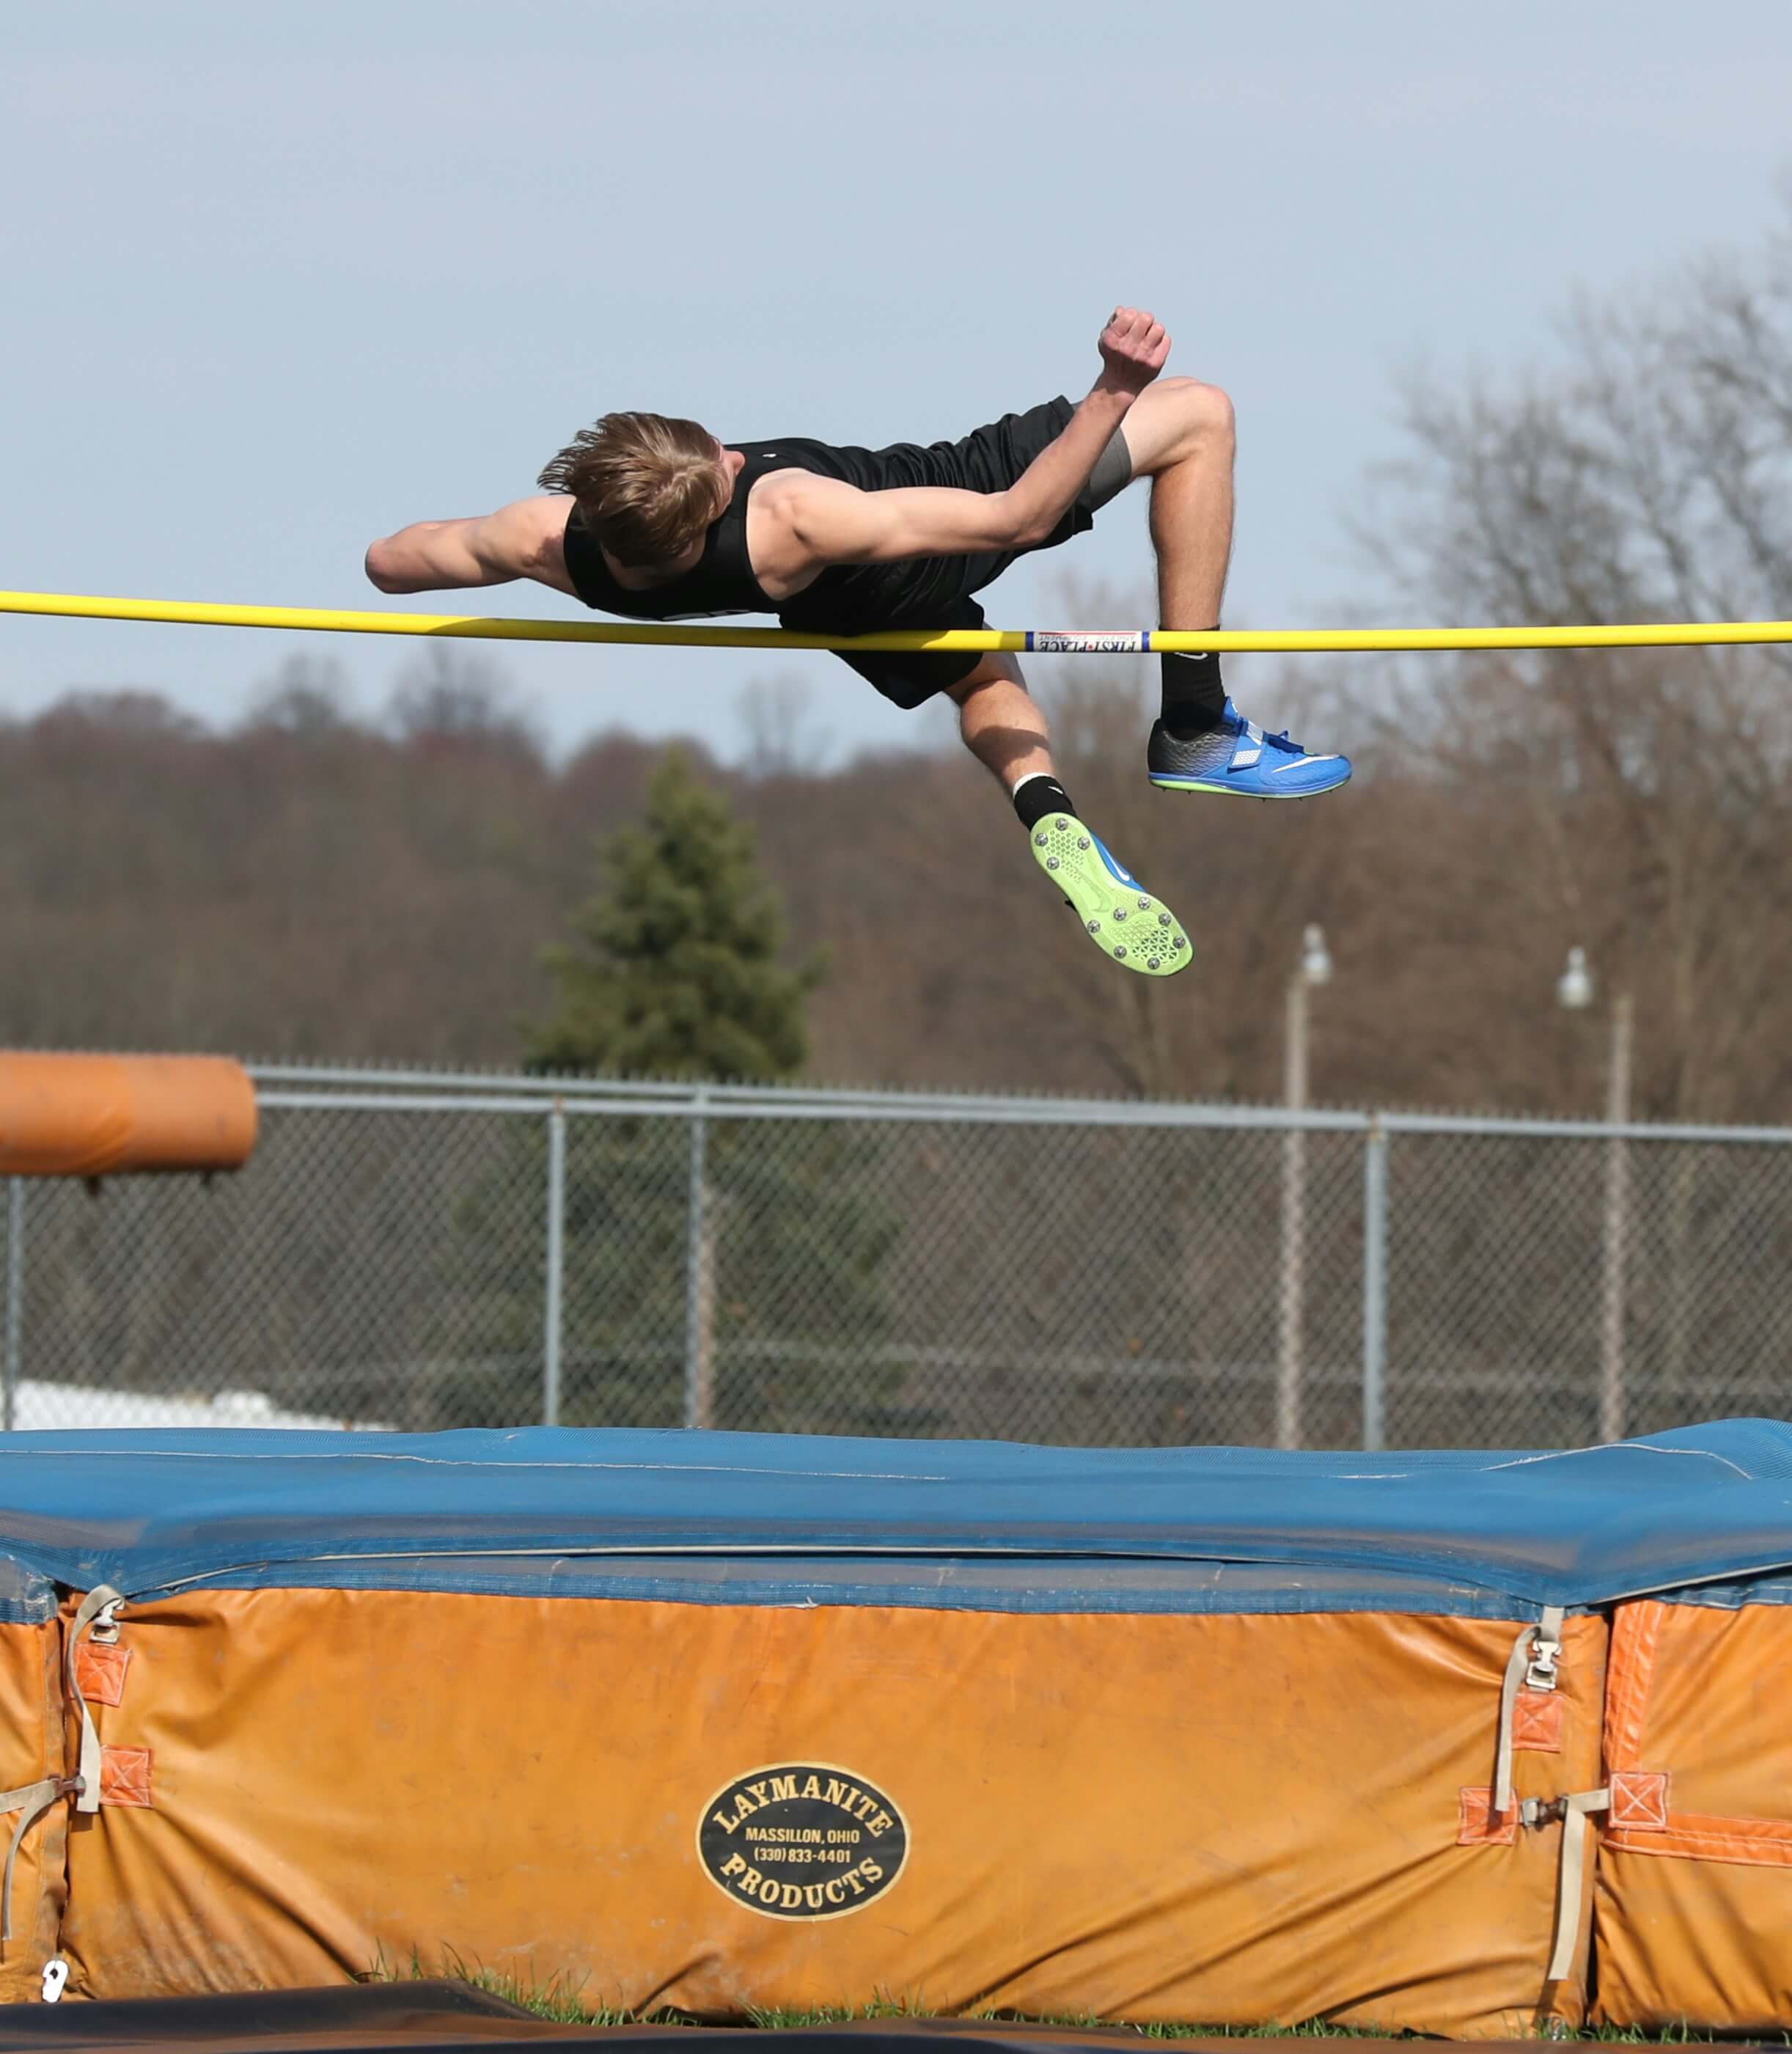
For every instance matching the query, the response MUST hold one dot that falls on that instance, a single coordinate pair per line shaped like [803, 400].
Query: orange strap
[1642, 1821]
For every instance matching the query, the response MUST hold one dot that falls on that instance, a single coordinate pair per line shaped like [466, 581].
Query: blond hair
[647, 485]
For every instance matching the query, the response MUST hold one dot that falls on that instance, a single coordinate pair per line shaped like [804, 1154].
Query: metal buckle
[1540, 1671]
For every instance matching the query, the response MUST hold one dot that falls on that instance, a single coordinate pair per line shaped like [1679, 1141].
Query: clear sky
[275, 278]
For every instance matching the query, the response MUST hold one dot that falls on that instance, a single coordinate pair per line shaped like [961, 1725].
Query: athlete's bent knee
[996, 668]
[1209, 410]
[1187, 418]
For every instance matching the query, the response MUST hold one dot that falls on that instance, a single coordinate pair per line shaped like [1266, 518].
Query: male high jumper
[656, 519]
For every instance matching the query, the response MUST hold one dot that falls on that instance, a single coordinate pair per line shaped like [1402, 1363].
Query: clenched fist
[1133, 347]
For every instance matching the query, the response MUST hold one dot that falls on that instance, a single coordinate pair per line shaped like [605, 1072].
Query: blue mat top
[707, 1517]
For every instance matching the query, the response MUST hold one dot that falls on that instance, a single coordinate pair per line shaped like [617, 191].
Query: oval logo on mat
[802, 1840]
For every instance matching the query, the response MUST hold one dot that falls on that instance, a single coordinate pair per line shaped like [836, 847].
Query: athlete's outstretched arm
[526, 539]
[835, 523]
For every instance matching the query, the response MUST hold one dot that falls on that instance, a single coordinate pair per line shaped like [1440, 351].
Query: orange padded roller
[79, 1115]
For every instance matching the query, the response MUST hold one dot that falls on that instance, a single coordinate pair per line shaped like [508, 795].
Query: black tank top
[846, 598]
[720, 581]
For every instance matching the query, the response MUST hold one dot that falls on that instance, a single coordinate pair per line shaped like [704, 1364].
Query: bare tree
[449, 694]
[776, 729]
[1646, 475]
[1643, 797]
[307, 696]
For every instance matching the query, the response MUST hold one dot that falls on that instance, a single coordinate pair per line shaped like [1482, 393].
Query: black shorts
[936, 592]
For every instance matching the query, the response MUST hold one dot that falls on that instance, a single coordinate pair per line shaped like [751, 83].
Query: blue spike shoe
[1238, 756]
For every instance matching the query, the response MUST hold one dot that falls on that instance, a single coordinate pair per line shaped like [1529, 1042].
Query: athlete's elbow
[1018, 525]
[382, 571]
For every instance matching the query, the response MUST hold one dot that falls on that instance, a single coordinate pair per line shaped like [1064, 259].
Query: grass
[564, 2003]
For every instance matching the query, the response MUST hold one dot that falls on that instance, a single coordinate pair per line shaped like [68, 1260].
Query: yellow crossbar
[323, 620]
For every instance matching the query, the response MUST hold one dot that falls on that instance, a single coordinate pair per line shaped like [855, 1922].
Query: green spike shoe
[1118, 915]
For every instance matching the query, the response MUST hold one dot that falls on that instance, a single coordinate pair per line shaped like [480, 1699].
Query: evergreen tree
[677, 973]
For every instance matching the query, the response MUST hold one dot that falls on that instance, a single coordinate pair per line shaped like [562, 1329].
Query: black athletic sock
[1037, 795]
[1194, 698]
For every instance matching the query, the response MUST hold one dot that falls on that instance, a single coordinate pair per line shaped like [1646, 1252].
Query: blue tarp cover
[709, 1516]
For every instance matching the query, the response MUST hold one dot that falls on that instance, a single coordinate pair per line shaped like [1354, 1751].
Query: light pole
[1574, 991]
[1313, 969]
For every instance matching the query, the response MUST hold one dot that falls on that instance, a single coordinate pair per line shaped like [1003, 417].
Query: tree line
[308, 883]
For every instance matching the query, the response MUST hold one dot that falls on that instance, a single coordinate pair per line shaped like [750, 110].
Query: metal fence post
[1293, 1224]
[15, 1303]
[1374, 1285]
[556, 1267]
[1617, 1201]
[699, 1353]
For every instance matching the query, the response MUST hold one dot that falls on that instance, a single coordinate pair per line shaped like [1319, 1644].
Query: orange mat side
[1225, 1820]
[1693, 1903]
[80, 1116]
[31, 1748]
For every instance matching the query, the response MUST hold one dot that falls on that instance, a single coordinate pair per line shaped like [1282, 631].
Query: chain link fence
[417, 1251]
